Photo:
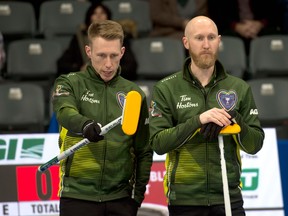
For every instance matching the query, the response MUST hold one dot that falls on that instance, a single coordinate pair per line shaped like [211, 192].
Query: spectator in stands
[167, 20]
[246, 19]
[191, 8]
[2, 52]
[284, 6]
[75, 58]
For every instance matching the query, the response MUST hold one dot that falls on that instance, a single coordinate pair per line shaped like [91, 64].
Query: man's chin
[107, 77]
[206, 64]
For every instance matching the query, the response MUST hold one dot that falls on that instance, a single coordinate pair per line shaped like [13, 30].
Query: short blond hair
[107, 29]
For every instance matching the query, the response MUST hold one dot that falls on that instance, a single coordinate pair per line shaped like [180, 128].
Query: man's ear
[88, 51]
[185, 42]
[122, 51]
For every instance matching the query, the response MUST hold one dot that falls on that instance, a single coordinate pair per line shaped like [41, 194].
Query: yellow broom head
[131, 112]
[231, 129]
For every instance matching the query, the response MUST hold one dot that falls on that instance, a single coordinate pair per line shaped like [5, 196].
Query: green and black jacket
[193, 170]
[113, 168]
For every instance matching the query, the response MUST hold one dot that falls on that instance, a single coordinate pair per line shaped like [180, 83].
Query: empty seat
[22, 108]
[17, 18]
[33, 58]
[158, 57]
[272, 106]
[268, 56]
[17, 21]
[136, 10]
[59, 20]
[232, 55]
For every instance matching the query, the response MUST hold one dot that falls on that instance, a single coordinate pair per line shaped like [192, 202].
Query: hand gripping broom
[129, 121]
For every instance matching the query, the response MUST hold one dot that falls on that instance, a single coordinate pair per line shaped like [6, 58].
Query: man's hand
[91, 131]
[219, 118]
[216, 115]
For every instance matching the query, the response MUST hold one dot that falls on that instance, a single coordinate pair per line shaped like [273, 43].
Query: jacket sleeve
[143, 154]
[65, 106]
[165, 134]
[252, 135]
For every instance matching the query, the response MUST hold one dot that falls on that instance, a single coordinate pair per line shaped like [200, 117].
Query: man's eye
[101, 55]
[113, 56]
[212, 37]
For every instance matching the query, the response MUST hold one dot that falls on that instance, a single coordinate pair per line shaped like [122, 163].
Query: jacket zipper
[105, 145]
[206, 155]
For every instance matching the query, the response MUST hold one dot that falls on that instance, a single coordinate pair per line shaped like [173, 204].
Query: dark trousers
[216, 210]
[119, 207]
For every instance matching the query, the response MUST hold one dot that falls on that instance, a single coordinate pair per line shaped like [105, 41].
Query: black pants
[216, 210]
[119, 207]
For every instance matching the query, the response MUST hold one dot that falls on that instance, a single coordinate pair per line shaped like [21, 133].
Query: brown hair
[107, 29]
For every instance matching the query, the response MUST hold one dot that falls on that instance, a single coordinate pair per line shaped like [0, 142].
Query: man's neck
[203, 75]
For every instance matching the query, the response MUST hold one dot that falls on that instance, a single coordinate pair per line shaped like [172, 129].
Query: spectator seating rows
[272, 106]
[59, 20]
[157, 57]
[136, 10]
[269, 56]
[232, 55]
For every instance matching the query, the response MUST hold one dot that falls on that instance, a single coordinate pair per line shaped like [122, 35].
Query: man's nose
[108, 62]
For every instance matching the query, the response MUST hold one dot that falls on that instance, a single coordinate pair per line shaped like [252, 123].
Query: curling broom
[229, 130]
[129, 121]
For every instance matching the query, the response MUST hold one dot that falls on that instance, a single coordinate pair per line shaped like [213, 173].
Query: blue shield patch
[227, 99]
[120, 97]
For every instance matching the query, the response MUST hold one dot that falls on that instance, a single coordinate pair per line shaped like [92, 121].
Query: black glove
[210, 131]
[91, 131]
[232, 113]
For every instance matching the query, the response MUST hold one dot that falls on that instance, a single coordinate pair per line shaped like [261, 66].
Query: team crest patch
[120, 97]
[227, 99]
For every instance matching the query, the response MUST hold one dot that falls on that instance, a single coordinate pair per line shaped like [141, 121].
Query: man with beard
[188, 110]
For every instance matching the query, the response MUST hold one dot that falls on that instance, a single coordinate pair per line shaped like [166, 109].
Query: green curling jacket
[193, 169]
[113, 168]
